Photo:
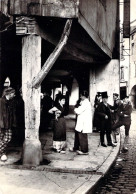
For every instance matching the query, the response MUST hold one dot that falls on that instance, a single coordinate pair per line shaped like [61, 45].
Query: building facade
[132, 84]
[67, 45]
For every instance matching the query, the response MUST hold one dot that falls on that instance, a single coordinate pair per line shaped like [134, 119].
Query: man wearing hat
[114, 114]
[124, 112]
[115, 99]
[7, 120]
[97, 101]
[104, 114]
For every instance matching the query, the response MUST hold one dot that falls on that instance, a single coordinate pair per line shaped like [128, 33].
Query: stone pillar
[31, 65]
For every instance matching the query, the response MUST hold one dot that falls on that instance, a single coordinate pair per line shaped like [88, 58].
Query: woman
[7, 120]
[83, 125]
[59, 125]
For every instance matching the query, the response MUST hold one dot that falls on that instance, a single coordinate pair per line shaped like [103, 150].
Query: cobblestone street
[122, 177]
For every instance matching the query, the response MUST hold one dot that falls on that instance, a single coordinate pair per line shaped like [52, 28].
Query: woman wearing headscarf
[7, 119]
[59, 125]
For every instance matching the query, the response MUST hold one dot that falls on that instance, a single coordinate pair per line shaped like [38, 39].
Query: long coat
[125, 110]
[84, 117]
[59, 129]
[101, 111]
[7, 113]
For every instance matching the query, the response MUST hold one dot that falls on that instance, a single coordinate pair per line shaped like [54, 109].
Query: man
[104, 114]
[46, 104]
[115, 97]
[114, 115]
[124, 112]
[83, 125]
[7, 120]
[96, 123]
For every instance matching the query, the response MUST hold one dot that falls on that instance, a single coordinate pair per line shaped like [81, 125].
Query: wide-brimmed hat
[8, 91]
[104, 95]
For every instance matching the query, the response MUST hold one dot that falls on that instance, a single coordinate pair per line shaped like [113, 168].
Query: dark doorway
[123, 92]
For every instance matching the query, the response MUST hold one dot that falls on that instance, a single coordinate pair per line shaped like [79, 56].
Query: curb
[90, 186]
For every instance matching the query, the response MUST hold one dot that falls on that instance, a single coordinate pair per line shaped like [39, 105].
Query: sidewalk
[66, 173]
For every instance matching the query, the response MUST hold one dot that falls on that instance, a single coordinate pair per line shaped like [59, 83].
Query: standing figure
[59, 133]
[58, 95]
[59, 125]
[60, 104]
[46, 104]
[124, 112]
[104, 114]
[96, 123]
[116, 105]
[83, 125]
[114, 116]
[7, 120]
[20, 118]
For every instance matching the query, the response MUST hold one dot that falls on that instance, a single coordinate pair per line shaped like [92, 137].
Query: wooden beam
[75, 52]
[49, 8]
[53, 57]
[28, 25]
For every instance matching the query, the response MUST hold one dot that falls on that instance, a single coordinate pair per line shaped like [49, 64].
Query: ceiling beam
[57, 8]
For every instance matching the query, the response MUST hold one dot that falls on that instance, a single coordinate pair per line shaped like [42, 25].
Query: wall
[74, 93]
[132, 74]
[99, 19]
[104, 78]
[132, 61]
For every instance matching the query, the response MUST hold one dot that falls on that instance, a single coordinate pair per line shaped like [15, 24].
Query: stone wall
[104, 78]
[99, 19]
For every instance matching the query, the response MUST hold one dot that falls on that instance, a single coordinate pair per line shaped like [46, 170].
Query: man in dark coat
[96, 123]
[124, 112]
[115, 115]
[7, 119]
[46, 104]
[104, 114]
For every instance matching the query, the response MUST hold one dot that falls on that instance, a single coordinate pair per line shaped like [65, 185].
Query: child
[59, 132]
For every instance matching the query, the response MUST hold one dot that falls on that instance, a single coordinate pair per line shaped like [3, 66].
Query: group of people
[82, 128]
[108, 119]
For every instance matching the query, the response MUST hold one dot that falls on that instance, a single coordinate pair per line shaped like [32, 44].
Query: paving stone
[125, 180]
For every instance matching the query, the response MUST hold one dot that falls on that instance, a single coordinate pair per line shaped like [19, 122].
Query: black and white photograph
[67, 96]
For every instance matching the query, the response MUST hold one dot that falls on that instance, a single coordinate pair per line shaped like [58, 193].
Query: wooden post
[31, 65]
[53, 56]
